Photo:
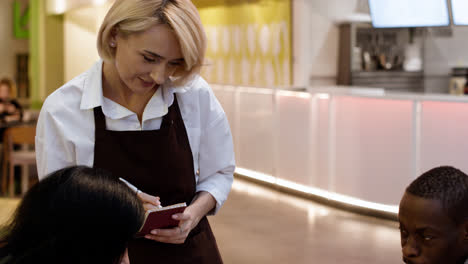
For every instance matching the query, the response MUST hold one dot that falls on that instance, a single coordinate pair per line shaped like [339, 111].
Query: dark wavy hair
[446, 184]
[75, 215]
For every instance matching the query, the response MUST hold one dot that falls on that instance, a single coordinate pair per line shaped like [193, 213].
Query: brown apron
[158, 162]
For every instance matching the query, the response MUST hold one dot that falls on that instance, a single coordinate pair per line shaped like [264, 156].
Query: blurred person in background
[10, 109]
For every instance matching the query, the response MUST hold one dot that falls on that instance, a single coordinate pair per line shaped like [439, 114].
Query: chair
[17, 135]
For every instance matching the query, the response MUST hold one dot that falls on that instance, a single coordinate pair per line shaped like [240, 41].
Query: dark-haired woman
[77, 215]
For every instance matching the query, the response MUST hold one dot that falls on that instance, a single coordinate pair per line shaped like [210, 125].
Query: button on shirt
[66, 133]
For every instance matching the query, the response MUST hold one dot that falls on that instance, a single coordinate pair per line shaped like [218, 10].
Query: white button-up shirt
[66, 133]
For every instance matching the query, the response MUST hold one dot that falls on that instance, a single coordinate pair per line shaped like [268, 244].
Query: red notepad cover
[161, 218]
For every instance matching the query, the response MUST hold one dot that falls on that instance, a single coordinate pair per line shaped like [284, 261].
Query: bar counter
[352, 147]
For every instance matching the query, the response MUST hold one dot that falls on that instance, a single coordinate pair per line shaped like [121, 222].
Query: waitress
[144, 113]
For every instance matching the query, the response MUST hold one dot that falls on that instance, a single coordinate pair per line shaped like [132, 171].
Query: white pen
[133, 187]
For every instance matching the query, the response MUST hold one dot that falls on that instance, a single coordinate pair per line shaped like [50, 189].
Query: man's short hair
[446, 184]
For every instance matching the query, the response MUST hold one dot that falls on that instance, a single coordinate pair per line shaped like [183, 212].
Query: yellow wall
[46, 53]
[55, 53]
[249, 42]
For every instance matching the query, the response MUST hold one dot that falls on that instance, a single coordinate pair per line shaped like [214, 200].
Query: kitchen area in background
[284, 44]
[401, 46]
[414, 46]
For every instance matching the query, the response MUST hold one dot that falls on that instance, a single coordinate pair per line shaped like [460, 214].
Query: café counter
[350, 147]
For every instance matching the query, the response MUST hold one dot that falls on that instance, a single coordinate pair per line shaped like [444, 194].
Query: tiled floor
[262, 226]
[259, 225]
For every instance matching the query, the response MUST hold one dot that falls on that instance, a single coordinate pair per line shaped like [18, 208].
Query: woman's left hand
[177, 235]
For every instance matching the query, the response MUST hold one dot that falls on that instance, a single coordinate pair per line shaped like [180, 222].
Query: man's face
[428, 235]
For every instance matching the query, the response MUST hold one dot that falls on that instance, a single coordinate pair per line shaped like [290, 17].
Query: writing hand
[149, 202]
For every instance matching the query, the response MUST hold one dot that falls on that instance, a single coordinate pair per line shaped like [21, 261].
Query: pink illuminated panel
[373, 148]
[256, 132]
[323, 136]
[444, 135]
[296, 158]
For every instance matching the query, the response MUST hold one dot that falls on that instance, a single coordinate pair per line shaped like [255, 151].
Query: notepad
[161, 218]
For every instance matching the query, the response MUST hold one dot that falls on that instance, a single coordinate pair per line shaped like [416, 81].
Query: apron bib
[160, 163]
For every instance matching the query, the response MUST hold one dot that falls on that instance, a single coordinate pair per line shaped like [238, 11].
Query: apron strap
[171, 117]
[99, 119]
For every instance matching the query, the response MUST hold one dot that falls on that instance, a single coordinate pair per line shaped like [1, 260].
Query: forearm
[202, 204]
[216, 162]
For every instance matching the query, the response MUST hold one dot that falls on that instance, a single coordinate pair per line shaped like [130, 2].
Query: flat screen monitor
[409, 13]
[460, 12]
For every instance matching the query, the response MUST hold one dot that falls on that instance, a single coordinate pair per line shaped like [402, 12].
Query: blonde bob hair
[136, 16]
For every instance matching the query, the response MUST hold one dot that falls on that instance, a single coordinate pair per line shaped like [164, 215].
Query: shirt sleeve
[216, 155]
[53, 151]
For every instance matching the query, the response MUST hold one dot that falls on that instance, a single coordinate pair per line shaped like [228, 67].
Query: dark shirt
[17, 106]
[5, 113]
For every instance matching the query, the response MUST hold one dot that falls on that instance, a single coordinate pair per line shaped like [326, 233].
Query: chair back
[24, 136]
[20, 135]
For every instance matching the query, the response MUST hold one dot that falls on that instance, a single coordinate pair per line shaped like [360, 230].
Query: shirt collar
[168, 92]
[92, 91]
[93, 97]
[156, 106]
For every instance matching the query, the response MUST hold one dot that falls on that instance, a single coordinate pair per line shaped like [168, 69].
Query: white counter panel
[322, 124]
[295, 137]
[373, 148]
[256, 132]
[444, 135]
[360, 143]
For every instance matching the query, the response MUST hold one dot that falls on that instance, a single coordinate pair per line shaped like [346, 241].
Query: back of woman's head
[75, 215]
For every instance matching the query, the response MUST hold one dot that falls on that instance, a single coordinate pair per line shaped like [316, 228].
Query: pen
[133, 188]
